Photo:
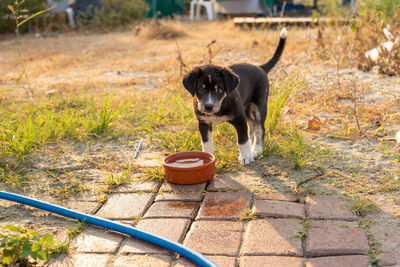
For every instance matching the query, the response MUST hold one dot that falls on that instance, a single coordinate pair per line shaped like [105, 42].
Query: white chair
[208, 5]
[63, 6]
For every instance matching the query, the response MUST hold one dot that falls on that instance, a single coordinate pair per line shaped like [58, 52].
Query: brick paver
[172, 209]
[269, 240]
[279, 209]
[182, 188]
[220, 205]
[221, 261]
[143, 186]
[339, 261]
[173, 229]
[96, 240]
[80, 259]
[387, 232]
[271, 261]
[215, 237]
[328, 207]
[191, 196]
[327, 239]
[280, 197]
[223, 182]
[388, 259]
[125, 206]
[82, 206]
[141, 261]
[272, 237]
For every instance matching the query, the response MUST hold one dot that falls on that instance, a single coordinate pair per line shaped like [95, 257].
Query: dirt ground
[354, 165]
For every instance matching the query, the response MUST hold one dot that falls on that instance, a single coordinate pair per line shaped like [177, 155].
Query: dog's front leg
[206, 137]
[246, 156]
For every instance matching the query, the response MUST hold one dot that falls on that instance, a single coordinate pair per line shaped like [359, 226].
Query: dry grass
[139, 73]
[96, 95]
[165, 30]
[369, 34]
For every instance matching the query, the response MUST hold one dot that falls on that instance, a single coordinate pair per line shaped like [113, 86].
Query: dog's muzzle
[208, 107]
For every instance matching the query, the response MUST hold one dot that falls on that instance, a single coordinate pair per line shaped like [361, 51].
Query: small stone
[271, 261]
[217, 205]
[279, 209]
[339, 261]
[272, 237]
[172, 209]
[215, 237]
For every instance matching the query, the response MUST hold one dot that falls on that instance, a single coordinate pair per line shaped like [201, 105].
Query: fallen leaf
[314, 123]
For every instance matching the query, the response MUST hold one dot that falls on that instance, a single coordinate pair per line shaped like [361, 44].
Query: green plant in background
[102, 120]
[73, 231]
[303, 232]
[386, 8]
[25, 128]
[115, 180]
[7, 21]
[372, 17]
[246, 215]
[24, 245]
[184, 140]
[20, 139]
[21, 16]
[114, 13]
[280, 94]
[297, 149]
[361, 207]
[155, 174]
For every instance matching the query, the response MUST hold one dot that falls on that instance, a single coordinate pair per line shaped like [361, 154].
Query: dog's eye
[217, 89]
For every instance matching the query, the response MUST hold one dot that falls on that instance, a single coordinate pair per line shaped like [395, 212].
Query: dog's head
[210, 84]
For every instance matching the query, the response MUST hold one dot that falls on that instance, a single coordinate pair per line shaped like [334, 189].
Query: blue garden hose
[114, 226]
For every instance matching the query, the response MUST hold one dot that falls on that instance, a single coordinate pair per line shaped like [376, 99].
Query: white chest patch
[214, 119]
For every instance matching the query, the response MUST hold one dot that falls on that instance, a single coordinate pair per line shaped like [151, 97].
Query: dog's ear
[231, 80]
[190, 80]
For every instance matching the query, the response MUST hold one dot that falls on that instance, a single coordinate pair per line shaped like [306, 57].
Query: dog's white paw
[257, 150]
[246, 156]
[246, 159]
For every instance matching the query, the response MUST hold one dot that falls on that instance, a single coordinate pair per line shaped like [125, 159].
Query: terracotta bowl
[191, 167]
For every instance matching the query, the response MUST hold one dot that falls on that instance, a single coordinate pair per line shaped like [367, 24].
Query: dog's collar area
[207, 114]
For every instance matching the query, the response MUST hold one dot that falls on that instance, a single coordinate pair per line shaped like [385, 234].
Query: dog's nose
[208, 107]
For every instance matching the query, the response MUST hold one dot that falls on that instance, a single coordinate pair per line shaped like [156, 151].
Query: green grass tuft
[362, 207]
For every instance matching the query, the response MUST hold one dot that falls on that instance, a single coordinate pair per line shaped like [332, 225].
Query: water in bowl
[187, 163]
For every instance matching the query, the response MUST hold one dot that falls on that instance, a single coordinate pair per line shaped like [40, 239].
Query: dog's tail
[278, 52]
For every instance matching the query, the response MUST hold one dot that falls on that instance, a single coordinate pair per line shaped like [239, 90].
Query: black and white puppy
[237, 94]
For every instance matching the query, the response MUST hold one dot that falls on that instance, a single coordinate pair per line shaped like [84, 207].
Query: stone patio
[207, 220]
